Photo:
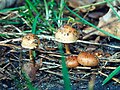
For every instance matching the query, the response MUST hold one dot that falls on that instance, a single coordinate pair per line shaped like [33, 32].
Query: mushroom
[30, 41]
[66, 34]
[72, 61]
[87, 59]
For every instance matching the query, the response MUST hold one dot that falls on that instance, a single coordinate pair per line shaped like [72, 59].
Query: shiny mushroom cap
[66, 34]
[87, 59]
[30, 41]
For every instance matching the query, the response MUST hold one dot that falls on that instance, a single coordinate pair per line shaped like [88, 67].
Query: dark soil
[49, 76]
[51, 79]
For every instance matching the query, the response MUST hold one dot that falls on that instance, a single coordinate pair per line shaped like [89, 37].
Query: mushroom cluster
[84, 59]
[66, 34]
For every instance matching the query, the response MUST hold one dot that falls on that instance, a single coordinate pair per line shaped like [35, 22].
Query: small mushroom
[99, 53]
[66, 34]
[87, 59]
[30, 41]
[72, 61]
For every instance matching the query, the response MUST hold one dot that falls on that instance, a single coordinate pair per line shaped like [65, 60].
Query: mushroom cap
[30, 41]
[72, 61]
[87, 59]
[66, 34]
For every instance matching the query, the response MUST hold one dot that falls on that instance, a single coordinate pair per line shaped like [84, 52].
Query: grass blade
[46, 10]
[64, 70]
[34, 24]
[62, 4]
[110, 5]
[32, 7]
[97, 28]
[116, 71]
[12, 9]
[28, 82]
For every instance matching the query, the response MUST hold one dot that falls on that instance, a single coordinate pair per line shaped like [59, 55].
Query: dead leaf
[31, 70]
[77, 4]
[109, 23]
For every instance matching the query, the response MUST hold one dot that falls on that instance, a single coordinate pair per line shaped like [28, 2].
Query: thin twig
[81, 67]
[10, 45]
[52, 38]
[55, 73]
[6, 26]
[50, 67]
[10, 40]
[109, 68]
[111, 60]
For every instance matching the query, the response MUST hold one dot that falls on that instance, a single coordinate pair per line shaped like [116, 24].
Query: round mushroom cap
[66, 34]
[87, 59]
[72, 61]
[30, 41]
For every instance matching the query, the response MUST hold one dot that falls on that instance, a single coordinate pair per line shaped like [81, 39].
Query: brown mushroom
[99, 53]
[66, 34]
[72, 61]
[30, 41]
[87, 59]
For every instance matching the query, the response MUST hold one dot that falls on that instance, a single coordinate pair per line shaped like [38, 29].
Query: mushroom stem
[67, 49]
[31, 57]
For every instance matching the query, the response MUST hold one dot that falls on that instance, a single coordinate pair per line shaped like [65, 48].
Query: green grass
[12, 9]
[90, 24]
[108, 34]
[117, 70]
[64, 69]
[113, 73]
[110, 5]
[47, 16]
[47, 21]
[28, 82]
